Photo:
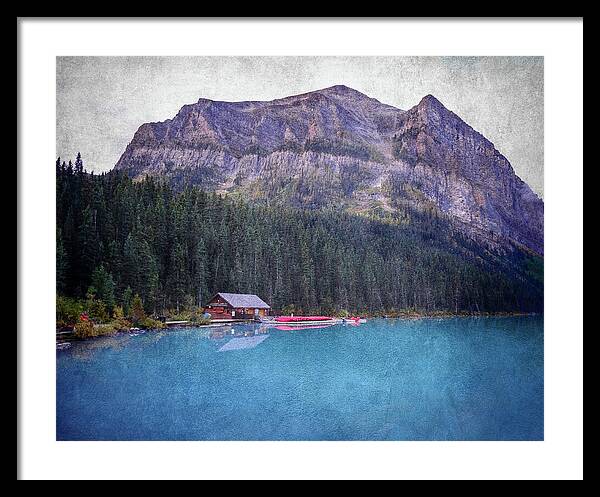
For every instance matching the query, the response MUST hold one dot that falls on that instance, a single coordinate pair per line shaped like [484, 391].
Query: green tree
[200, 273]
[127, 300]
[178, 275]
[79, 164]
[90, 244]
[102, 282]
[95, 308]
[62, 264]
[68, 311]
[137, 310]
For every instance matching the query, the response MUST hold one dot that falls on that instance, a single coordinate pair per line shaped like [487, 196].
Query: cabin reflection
[241, 337]
[242, 343]
[237, 331]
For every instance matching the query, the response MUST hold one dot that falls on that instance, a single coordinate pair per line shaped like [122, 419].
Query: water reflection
[86, 349]
[240, 343]
[303, 327]
[241, 330]
[241, 337]
[237, 337]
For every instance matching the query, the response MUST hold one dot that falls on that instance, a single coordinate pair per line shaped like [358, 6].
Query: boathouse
[236, 306]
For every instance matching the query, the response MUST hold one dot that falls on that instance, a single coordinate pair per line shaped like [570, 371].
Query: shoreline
[65, 336]
[445, 314]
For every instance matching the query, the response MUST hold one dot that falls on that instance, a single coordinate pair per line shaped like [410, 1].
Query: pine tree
[127, 300]
[129, 270]
[308, 277]
[104, 285]
[89, 243]
[138, 315]
[200, 273]
[62, 264]
[178, 275]
[78, 164]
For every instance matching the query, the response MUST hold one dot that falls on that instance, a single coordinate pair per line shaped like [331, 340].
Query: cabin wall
[218, 312]
[244, 311]
[222, 310]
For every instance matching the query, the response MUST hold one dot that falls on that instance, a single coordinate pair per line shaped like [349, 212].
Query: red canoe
[302, 319]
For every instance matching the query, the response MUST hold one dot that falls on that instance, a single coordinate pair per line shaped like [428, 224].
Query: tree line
[117, 238]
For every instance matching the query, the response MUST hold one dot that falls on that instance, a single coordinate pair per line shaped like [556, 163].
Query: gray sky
[101, 101]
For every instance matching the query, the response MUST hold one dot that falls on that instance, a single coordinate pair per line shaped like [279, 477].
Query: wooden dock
[177, 323]
[212, 322]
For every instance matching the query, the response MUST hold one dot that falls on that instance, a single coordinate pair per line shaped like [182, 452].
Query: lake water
[427, 379]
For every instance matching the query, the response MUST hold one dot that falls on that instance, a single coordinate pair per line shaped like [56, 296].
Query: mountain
[339, 148]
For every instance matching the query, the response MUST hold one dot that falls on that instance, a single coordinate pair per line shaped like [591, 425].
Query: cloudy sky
[101, 101]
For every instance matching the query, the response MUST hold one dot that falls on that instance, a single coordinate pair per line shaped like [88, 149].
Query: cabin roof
[244, 300]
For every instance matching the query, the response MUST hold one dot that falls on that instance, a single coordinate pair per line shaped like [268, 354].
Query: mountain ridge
[339, 147]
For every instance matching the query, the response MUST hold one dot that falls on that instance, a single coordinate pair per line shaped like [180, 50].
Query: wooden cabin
[236, 306]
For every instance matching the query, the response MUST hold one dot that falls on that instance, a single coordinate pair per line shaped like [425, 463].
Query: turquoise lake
[387, 379]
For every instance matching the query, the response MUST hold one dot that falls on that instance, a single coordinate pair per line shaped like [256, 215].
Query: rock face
[338, 147]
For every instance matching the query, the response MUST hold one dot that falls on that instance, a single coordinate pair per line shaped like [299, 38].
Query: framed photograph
[329, 257]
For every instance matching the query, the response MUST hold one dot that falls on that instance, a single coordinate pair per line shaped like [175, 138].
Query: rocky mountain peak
[339, 147]
[430, 101]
